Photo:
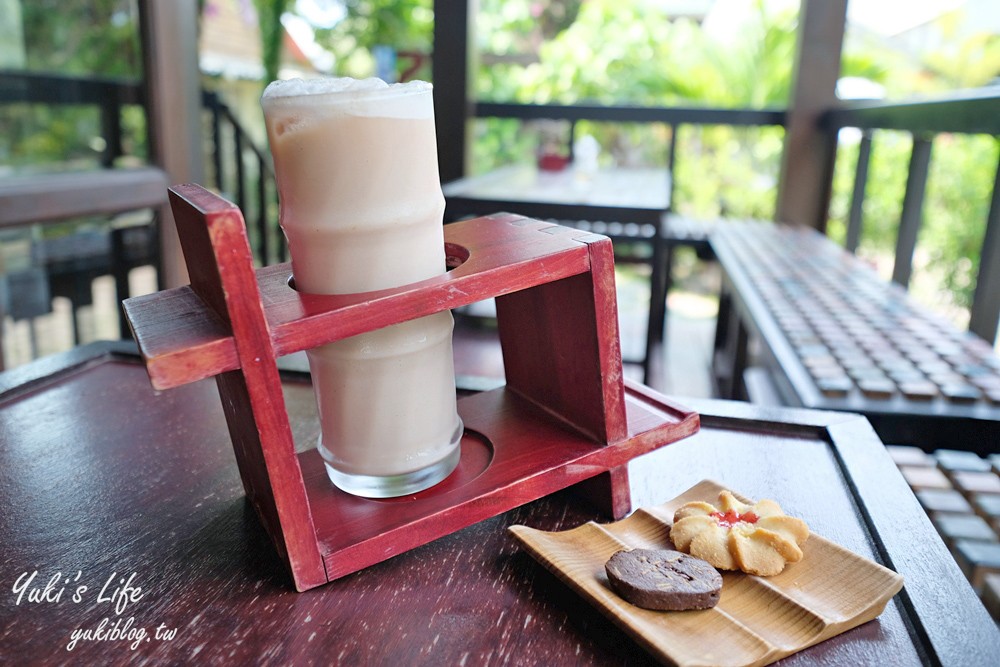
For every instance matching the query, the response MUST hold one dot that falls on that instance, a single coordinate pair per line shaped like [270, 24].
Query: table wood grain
[102, 476]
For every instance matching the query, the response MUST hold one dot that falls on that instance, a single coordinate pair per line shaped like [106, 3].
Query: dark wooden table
[833, 335]
[102, 479]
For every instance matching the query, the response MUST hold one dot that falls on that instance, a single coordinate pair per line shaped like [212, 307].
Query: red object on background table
[565, 415]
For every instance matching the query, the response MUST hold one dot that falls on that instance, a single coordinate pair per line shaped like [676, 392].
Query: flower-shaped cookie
[757, 539]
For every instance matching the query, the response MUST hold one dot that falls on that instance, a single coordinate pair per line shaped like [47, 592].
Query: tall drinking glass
[361, 207]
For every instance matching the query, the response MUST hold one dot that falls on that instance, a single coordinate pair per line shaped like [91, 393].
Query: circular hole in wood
[455, 255]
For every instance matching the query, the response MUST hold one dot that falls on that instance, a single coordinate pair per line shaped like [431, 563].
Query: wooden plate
[763, 619]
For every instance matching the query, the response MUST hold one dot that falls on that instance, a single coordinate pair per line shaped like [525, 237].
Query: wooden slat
[52, 197]
[522, 441]
[855, 218]
[972, 112]
[38, 88]
[182, 341]
[986, 302]
[912, 215]
[672, 164]
[162, 319]
[302, 321]
[632, 114]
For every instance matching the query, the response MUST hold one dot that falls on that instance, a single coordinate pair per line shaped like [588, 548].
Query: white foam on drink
[308, 99]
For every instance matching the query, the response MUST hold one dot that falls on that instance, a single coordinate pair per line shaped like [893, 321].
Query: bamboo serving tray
[757, 621]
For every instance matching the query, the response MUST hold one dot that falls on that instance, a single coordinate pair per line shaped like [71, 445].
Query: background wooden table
[620, 194]
[626, 204]
[102, 476]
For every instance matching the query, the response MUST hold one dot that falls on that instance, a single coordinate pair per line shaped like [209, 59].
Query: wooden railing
[252, 190]
[239, 166]
[239, 169]
[971, 112]
[108, 95]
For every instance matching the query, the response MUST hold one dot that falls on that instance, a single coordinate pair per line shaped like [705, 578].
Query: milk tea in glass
[361, 207]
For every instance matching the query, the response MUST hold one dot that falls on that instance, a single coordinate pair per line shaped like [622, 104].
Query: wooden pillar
[173, 111]
[807, 160]
[453, 72]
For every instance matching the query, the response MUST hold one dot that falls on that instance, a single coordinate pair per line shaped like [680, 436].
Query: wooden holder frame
[565, 416]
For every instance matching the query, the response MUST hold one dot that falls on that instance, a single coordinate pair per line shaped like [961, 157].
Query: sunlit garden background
[721, 53]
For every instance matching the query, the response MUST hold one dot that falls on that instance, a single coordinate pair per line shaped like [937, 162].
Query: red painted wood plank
[180, 339]
[561, 347]
[181, 343]
[529, 455]
[217, 252]
[506, 254]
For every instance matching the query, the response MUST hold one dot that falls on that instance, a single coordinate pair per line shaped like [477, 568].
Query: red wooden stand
[565, 416]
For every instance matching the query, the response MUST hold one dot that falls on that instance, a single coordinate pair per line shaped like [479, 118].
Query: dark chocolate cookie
[662, 579]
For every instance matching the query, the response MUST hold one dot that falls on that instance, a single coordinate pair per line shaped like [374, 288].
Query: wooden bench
[832, 335]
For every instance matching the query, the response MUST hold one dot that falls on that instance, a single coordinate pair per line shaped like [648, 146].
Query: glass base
[391, 486]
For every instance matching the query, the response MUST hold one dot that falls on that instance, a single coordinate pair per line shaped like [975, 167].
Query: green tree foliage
[271, 35]
[405, 25]
[636, 53]
[963, 63]
[956, 203]
[96, 37]
[958, 195]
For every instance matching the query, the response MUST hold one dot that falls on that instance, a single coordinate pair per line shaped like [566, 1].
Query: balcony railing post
[262, 211]
[571, 149]
[111, 127]
[241, 193]
[671, 164]
[119, 269]
[985, 316]
[243, 150]
[169, 32]
[212, 102]
[856, 215]
[913, 206]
